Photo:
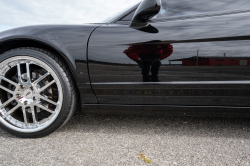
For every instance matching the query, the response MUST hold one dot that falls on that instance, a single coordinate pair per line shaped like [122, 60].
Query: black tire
[67, 83]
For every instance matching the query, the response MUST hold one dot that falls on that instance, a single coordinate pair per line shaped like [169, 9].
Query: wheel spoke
[28, 73]
[7, 90]
[44, 108]
[7, 102]
[33, 114]
[48, 100]
[9, 81]
[40, 79]
[13, 109]
[25, 116]
[46, 86]
[19, 74]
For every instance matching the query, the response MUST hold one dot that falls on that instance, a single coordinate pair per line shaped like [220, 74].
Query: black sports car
[172, 57]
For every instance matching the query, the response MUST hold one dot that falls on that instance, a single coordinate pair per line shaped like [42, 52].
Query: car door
[199, 52]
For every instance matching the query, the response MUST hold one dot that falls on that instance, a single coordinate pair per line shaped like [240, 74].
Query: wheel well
[16, 43]
[12, 44]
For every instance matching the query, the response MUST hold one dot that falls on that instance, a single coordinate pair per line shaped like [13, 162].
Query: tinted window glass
[129, 17]
[188, 7]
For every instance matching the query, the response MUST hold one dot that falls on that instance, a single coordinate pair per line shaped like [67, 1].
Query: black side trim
[182, 106]
[167, 110]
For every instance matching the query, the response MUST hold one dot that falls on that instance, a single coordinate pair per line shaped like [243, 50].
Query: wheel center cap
[28, 94]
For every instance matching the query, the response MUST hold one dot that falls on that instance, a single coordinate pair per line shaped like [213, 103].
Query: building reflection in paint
[213, 61]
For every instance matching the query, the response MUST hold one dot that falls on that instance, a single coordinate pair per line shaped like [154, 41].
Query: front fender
[69, 40]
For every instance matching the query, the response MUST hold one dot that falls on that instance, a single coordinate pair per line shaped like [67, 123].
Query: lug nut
[25, 103]
[17, 96]
[21, 86]
[34, 98]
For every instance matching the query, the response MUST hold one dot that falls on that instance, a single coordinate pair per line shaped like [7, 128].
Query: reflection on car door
[199, 61]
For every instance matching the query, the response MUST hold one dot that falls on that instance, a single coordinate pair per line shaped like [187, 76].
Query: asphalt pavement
[118, 140]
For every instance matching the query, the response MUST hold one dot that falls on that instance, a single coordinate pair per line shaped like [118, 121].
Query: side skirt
[167, 110]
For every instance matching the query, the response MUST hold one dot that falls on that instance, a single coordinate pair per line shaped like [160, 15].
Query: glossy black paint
[204, 65]
[167, 110]
[222, 36]
[69, 40]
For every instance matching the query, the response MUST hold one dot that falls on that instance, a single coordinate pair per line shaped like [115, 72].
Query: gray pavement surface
[118, 140]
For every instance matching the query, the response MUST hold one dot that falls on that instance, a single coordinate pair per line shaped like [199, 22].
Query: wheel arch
[12, 43]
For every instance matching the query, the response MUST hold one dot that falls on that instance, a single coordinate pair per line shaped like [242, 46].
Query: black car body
[206, 71]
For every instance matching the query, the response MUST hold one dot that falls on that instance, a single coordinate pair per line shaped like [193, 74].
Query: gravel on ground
[118, 140]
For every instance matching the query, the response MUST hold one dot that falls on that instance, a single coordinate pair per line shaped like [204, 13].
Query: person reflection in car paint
[149, 57]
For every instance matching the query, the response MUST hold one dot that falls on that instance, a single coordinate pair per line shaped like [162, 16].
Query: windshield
[119, 13]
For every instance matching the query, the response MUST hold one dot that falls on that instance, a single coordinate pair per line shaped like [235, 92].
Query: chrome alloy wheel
[30, 94]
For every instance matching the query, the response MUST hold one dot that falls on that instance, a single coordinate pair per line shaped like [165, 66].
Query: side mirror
[146, 10]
